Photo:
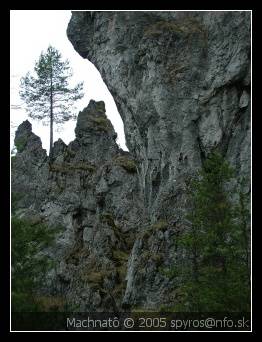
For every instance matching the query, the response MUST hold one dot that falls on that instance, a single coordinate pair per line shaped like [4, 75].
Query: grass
[121, 270]
[51, 303]
[120, 256]
[100, 107]
[120, 259]
[75, 254]
[159, 27]
[160, 225]
[128, 164]
[102, 123]
[138, 309]
[157, 258]
[186, 26]
[69, 154]
[129, 240]
[95, 279]
[174, 70]
[15, 198]
[69, 167]
[108, 219]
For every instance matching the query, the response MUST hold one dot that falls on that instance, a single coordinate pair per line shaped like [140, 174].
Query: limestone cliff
[181, 82]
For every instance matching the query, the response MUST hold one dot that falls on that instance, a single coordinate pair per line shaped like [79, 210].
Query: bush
[128, 164]
[20, 143]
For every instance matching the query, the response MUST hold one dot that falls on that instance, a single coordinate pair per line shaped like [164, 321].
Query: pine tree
[215, 276]
[48, 95]
[29, 264]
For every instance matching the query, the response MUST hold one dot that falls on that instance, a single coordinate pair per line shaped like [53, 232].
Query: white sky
[32, 31]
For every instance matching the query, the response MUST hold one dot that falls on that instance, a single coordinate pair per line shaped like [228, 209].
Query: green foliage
[20, 144]
[102, 123]
[15, 198]
[29, 263]
[128, 164]
[215, 275]
[47, 94]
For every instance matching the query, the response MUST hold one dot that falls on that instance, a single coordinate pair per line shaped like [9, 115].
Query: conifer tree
[47, 95]
[215, 276]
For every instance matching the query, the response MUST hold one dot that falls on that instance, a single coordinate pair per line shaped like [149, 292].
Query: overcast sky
[32, 32]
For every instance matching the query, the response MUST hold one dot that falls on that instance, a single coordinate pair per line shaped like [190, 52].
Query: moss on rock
[127, 163]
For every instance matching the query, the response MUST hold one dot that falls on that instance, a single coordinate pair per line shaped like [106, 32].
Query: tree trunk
[51, 132]
[51, 119]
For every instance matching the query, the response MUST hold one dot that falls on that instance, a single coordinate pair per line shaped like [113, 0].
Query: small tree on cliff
[48, 96]
[216, 275]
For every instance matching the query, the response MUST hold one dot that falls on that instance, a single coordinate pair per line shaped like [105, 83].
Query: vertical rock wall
[181, 82]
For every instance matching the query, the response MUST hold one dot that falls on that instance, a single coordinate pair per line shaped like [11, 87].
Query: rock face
[91, 190]
[29, 169]
[181, 82]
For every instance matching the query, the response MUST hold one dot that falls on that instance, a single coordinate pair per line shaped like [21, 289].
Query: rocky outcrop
[90, 191]
[181, 82]
[29, 169]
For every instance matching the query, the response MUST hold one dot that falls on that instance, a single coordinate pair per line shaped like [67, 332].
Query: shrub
[20, 143]
[128, 164]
